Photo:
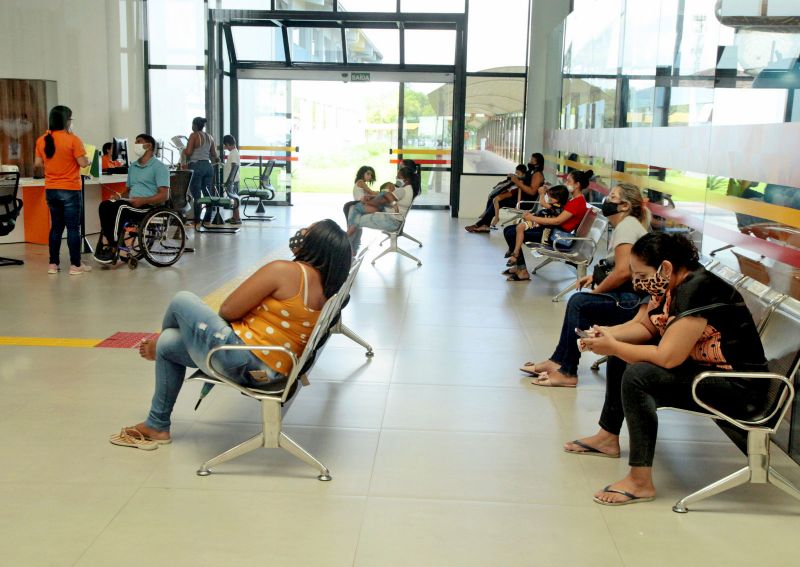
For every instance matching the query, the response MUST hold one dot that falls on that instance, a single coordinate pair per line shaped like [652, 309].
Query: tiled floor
[441, 452]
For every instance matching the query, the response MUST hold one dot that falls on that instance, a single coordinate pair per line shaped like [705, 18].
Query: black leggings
[634, 391]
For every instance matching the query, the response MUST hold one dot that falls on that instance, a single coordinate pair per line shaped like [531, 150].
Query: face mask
[399, 182]
[609, 208]
[138, 150]
[655, 285]
[547, 199]
[296, 241]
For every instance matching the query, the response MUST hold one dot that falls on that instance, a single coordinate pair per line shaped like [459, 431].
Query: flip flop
[515, 278]
[631, 498]
[544, 381]
[133, 438]
[509, 271]
[589, 451]
[530, 368]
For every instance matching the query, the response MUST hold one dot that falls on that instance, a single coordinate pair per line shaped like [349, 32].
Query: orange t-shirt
[62, 170]
[108, 163]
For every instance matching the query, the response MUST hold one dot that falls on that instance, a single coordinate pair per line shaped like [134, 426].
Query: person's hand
[528, 217]
[602, 342]
[137, 203]
[585, 281]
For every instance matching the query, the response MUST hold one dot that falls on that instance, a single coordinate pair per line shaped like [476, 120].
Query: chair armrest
[398, 216]
[227, 381]
[741, 424]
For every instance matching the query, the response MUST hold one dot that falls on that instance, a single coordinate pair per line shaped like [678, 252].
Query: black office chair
[217, 199]
[10, 207]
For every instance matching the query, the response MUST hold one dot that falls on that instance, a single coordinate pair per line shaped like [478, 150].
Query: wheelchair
[159, 237]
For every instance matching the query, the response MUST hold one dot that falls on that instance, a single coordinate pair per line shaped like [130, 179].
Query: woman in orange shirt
[62, 154]
[108, 161]
[278, 305]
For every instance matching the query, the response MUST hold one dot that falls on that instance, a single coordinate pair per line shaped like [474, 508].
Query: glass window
[176, 97]
[227, 103]
[639, 51]
[258, 43]
[510, 24]
[592, 37]
[169, 48]
[316, 45]
[588, 103]
[700, 36]
[494, 123]
[439, 6]
[690, 106]
[264, 113]
[373, 46]
[641, 98]
[310, 5]
[242, 4]
[763, 106]
[430, 47]
[367, 5]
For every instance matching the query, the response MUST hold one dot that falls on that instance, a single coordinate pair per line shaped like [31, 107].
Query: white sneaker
[52, 268]
[78, 270]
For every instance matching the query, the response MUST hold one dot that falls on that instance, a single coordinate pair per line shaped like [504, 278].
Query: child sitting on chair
[378, 203]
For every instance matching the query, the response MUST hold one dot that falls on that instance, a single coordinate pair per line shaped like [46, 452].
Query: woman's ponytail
[58, 119]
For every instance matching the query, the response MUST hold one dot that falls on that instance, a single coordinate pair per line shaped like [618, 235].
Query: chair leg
[10, 262]
[563, 292]
[251, 444]
[777, 479]
[403, 234]
[382, 242]
[291, 446]
[598, 362]
[409, 256]
[541, 264]
[742, 476]
[347, 332]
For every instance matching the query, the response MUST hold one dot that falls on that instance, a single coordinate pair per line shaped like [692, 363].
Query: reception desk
[33, 225]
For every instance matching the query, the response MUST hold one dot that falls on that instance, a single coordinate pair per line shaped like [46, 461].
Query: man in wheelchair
[148, 186]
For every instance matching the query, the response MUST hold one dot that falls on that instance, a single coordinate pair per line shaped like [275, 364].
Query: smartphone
[583, 334]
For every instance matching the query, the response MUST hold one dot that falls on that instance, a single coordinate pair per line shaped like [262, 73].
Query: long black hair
[539, 162]
[655, 247]
[582, 178]
[326, 248]
[58, 120]
[362, 170]
[416, 175]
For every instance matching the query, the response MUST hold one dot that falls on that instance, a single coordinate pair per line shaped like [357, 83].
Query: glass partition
[258, 43]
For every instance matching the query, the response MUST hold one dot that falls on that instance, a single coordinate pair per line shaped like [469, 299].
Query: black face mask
[609, 208]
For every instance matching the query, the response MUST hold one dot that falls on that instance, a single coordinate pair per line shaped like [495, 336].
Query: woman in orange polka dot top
[278, 305]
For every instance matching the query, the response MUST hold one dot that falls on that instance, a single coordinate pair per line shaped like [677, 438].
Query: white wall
[77, 43]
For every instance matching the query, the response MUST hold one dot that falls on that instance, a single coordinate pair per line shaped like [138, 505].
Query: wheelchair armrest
[742, 424]
[228, 382]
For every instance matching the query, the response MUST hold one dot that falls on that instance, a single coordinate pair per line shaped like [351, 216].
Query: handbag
[601, 271]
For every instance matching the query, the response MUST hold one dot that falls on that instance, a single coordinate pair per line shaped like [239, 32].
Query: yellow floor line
[213, 299]
[49, 342]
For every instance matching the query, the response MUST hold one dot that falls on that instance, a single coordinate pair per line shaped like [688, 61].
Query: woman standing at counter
[200, 152]
[61, 154]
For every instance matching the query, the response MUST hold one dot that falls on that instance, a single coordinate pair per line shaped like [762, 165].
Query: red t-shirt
[577, 207]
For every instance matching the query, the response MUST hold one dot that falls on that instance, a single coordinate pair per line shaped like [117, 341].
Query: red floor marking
[125, 340]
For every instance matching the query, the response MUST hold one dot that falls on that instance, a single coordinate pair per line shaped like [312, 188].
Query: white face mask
[138, 150]
[399, 182]
[547, 199]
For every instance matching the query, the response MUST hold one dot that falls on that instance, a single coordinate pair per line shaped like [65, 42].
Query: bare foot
[151, 433]
[538, 367]
[639, 488]
[147, 348]
[602, 442]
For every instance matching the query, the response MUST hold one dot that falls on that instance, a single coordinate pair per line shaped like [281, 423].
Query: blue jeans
[190, 330]
[203, 177]
[585, 310]
[65, 211]
[370, 220]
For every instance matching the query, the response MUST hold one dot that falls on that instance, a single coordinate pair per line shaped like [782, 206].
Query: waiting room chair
[511, 214]
[394, 235]
[580, 255]
[216, 201]
[781, 340]
[338, 326]
[10, 208]
[258, 189]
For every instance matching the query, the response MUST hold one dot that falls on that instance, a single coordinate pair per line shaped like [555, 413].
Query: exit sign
[359, 77]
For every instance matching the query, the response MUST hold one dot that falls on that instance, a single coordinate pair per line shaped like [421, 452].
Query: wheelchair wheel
[162, 238]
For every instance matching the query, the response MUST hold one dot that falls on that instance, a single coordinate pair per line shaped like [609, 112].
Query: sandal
[480, 229]
[509, 271]
[544, 380]
[515, 278]
[131, 437]
[631, 498]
